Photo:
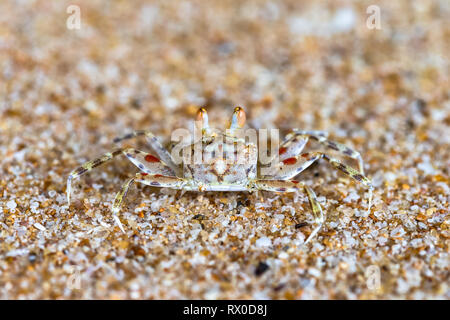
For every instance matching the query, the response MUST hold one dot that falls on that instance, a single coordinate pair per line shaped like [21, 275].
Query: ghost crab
[216, 174]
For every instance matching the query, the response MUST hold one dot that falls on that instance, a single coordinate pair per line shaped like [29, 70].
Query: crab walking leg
[308, 133]
[144, 161]
[277, 185]
[87, 167]
[317, 210]
[118, 201]
[162, 152]
[358, 176]
[294, 186]
[292, 146]
[155, 180]
[337, 147]
[291, 167]
[148, 163]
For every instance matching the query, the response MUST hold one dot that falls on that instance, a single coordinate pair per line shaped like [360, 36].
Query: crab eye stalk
[202, 119]
[238, 120]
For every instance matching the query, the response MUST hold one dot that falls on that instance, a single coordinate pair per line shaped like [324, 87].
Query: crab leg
[308, 132]
[154, 180]
[291, 167]
[294, 186]
[88, 166]
[144, 161]
[331, 145]
[277, 185]
[148, 163]
[292, 146]
[162, 152]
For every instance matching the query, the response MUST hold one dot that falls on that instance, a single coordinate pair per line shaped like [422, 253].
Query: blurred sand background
[65, 94]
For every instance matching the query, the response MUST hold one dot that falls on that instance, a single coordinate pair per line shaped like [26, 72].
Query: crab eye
[239, 117]
[202, 118]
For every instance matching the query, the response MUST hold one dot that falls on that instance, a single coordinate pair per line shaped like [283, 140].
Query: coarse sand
[66, 93]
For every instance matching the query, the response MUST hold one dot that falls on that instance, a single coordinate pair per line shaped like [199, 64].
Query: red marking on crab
[144, 174]
[157, 175]
[305, 155]
[289, 161]
[294, 181]
[282, 150]
[150, 158]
